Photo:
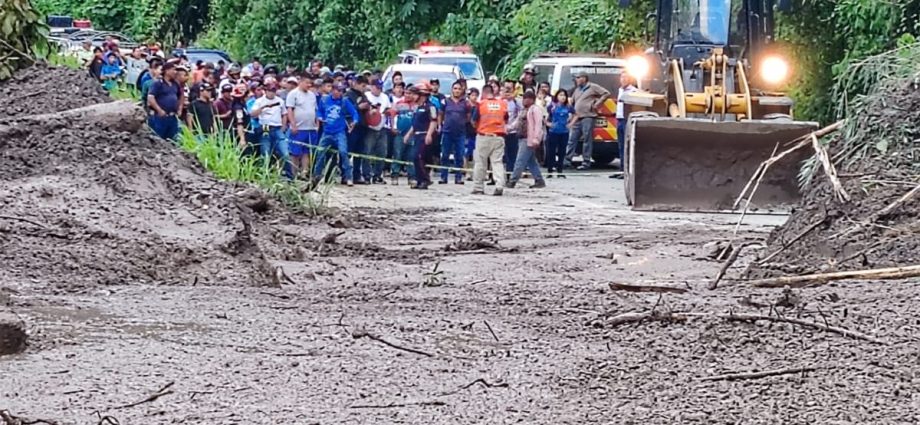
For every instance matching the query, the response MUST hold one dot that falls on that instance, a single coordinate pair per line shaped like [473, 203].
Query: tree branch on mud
[728, 263]
[757, 375]
[392, 405]
[646, 288]
[364, 334]
[24, 220]
[162, 392]
[478, 381]
[824, 278]
[845, 332]
[10, 419]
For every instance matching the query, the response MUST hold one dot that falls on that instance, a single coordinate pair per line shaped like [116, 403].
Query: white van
[559, 69]
[460, 56]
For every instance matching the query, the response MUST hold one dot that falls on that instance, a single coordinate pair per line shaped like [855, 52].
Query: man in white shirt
[627, 85]
[375, 140]
[270, 110]
[301, 112]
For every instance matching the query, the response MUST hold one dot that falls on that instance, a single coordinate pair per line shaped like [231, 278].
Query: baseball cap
[366, 72]
[240, 90]
[338, 74]
[378, 83]
[292, 80]
[434, 81]
[339, 87]
[226, 88]
[581, 73]
[318, 82]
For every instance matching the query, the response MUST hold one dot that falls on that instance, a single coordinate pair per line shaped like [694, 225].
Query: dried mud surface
[411, 315]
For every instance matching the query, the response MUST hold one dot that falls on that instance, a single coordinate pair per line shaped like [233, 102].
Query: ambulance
[459, 56]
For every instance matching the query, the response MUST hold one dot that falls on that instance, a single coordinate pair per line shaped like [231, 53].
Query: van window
[607, 77]
[545, 73]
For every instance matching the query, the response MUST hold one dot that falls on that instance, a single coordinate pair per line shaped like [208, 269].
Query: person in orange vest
[490, 118]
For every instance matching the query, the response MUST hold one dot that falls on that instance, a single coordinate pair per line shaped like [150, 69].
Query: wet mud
[143, 306]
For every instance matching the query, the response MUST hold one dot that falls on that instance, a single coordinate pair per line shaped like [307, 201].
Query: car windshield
[702, 21]
[411, 77]
[468, 66]
[607, 77]
[206, 57]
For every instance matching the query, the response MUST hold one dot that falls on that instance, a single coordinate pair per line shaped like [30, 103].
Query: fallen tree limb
[823, 278]
[757, 375]
[162, 392]
[478, 381]
[883, 212]
[10, 419]
[626, 318]
[365, 334]
[646, 288]
[24, 220]
[728, 263]
[392, 405]
[805, 323]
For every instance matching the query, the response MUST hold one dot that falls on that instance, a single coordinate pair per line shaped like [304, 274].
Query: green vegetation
[23, 36]
[221, 155]
[822, 36]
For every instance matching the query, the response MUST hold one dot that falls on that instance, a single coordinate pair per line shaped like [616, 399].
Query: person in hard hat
[424, 124]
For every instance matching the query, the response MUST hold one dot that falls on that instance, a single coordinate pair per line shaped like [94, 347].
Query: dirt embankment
[93, 198]
[879, 226]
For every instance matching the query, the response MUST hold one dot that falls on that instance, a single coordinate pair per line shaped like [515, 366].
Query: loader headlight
[774, 70]
[637, 67]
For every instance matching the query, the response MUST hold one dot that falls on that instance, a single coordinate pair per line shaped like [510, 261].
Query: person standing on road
[356, 137]
[375, 141]
[337, 115]
[511, 135]
[270, 110]
[241, 124]
[457, 112]
[424, 125]
[531, 125]
[586, 98]
[490, 119]
[627, 85]
[165, 99]
[404, 142]
[223, 105]
[202, 112]
[558, 136]
[470, 144]
[301, 106]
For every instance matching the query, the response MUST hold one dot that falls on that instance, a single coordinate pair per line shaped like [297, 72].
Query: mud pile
[880, 225]
[91, 197]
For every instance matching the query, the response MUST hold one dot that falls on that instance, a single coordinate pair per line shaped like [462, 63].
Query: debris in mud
[12, 332]
[113, 204]
[878, 166]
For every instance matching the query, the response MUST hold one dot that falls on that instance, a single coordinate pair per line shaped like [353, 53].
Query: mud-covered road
[512, 327]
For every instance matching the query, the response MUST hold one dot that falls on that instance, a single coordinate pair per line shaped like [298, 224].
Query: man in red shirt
[490, 118]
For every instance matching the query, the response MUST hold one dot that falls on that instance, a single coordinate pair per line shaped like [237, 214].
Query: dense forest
[822, 36]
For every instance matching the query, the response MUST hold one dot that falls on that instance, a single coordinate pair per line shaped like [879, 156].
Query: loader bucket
[685, 164]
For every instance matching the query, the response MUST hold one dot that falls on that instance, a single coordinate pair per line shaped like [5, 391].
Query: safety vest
[492, 117]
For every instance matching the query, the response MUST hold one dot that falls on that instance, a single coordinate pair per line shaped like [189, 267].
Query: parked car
[196, 54]
[460, 56]
[445, 74]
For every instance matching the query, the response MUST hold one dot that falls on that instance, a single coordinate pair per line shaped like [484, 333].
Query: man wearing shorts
[301, 110]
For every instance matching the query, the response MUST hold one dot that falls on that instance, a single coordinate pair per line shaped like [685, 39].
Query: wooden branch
[798, 237]
[24, 220]
[626, 318]
[478, 381]
[365, 334]
[757, 375]
[162, 392]
[392, 405]
[880, 213]
[829, 169]
[823, 278]
[728, 263]
[646, 288]
[805, 323]
[10, 419]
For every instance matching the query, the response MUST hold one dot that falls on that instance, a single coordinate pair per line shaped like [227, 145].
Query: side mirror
[625, 3]
[784, 5]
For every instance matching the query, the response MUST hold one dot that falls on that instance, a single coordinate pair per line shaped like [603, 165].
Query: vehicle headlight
[774, 70]
[637, 67]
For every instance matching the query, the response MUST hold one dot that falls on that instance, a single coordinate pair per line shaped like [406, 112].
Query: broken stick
[646, 288]
[813, 325]
[728, 263]
[365, 334]
[757, 375]
[162, 392]
[625, 318]
[822, 278]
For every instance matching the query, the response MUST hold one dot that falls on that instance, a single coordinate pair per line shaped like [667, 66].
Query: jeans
[356, 145]
[488, 149]
[452, 144]
[511, 151]
[526, 158]
[273, 141]
[339, 142]
[582, 131]
[621, 141]
[421, 159]
[166, 127]
[555, 151]
[375, 144]
[404, 150]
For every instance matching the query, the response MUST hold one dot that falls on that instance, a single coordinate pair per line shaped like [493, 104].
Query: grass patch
[220, 154]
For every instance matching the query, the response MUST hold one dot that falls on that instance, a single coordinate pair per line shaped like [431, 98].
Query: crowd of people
[299, 118]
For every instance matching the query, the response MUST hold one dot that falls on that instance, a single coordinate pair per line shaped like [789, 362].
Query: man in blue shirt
[165, 100]
[456, 111]
[338, 116]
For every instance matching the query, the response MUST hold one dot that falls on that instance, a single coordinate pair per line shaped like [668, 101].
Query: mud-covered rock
[12, 332]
